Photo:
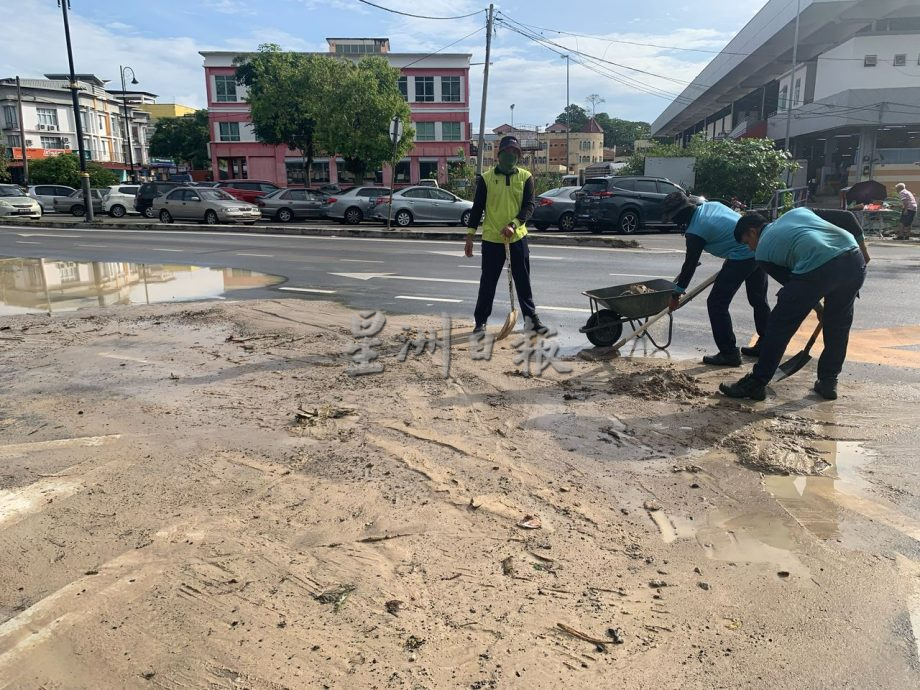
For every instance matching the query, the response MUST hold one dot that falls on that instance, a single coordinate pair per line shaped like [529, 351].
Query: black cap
[509, 142]
[676, 204]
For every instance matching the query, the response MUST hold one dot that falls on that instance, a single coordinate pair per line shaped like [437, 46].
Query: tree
[575, 116]
[65, 170]
[594, 100]
[286, 92]
[183, 139]
[4, 166]
[622, 133]
[750, 169]
[354, 120]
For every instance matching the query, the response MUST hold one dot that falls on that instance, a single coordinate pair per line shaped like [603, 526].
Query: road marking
[100, 246]
[126, 358]
[633, 275]
[532, 256]
[247, 254]
[26, 242]
[476, 266]
[18, 449]
[390, 276]
[317, 290]
[39, 234]
[154, 249]
[429, 299]
[362, 261]
[578, 310]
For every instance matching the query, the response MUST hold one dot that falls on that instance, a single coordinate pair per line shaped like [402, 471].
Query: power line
[473, 33]
[417, 16]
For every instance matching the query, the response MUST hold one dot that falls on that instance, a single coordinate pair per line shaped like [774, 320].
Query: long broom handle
[648, 324]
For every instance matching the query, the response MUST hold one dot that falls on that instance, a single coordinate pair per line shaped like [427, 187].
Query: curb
[344, 231]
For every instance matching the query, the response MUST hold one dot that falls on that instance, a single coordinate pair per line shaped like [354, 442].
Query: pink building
[436, 87]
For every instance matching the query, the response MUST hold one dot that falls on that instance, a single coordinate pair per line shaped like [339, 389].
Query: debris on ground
[530, 522]
[336, 596]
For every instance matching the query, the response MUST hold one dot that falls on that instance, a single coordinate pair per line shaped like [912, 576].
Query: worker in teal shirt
[711, 228]
[813, 259]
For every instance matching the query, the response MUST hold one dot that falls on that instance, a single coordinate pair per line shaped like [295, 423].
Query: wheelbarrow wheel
[604, 328]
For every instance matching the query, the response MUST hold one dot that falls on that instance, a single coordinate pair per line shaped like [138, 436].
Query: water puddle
[50, 286]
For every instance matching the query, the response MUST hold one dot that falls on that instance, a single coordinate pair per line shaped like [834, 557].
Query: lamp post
[512, 116]
[124, 105]
[568, 115]
[74, 87]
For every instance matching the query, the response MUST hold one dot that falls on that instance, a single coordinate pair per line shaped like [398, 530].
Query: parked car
[45, 194]
[15, 202]
[120, 200]
[209, 206]
[424, 205]
[555, 207]
[286, 205]
[247, 190]
[147, 192]
[431, 182]
[75, 204]
[204, 184]
[623, 203]
[355, 205]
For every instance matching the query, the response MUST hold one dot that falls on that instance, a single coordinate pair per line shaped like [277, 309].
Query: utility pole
[568, 116]
[791, 94]
[485, 90]
[22, 135]
[74, 88]
[124, 102]
[512, 116]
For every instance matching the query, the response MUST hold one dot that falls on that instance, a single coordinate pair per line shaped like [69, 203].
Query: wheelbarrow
[611, 307]
[638, 304]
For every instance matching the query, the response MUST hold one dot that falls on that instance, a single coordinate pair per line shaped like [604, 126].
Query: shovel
[797, 361]
[511, 320]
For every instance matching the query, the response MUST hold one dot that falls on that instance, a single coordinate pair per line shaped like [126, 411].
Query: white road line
[532, 256]
[154, 249]
[429, 299]
[390, 276]
[26, 242]
[578, 310]
[248, 254]
[317, 290]
[633, 275]
[100, 246]
[362, 261]
[476, 266]
[40, 234]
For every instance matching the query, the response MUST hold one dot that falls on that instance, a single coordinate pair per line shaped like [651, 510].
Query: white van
[120, 200]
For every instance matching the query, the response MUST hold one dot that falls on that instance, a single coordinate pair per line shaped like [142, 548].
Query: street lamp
[568, 114]
[124, 104]
[74, 87]
[512, 116]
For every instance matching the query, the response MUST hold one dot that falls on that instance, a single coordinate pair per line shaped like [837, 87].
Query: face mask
[507, 160]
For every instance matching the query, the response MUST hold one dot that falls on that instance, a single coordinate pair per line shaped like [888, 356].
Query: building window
[229, 131]
[795, 93]
[428, 170]
[783, 98]
[900, 60]
[424, 131]
[450, 131]
[225, 89]
[424, 89]
[870, 61]
[54, 143]
[450, 89]
[10, 116]
[69, 272]
[402, 172]
[355, 49]
[13, 140]
[403, 84]
[47, 117]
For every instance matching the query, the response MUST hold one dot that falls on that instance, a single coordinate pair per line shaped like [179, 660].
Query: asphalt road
[405, 277]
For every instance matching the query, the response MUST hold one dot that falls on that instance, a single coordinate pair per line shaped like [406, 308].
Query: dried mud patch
[667, 384]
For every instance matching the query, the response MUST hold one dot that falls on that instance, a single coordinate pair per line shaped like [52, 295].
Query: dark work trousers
[493, 260]
[838, 282]
[733, 274]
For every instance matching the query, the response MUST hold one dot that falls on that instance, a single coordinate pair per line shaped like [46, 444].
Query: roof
[557, 127]
[592, 127]
[762, 52]
[88, 78]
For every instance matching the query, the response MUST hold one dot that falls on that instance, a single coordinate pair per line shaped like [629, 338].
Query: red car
[247, 190]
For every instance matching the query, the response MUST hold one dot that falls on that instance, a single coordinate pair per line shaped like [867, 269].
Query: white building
[852, 103]
[50, 130]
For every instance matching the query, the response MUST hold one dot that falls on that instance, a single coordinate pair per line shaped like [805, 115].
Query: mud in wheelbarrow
[633, 303]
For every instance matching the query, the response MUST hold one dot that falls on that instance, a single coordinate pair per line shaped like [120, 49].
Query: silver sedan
[424, 205]
[210, 206]
[286, 205]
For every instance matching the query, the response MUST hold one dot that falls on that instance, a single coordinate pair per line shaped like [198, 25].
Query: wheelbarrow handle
[648, 324]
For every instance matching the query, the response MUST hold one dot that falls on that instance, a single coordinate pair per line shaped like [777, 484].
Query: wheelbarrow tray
[630, 306]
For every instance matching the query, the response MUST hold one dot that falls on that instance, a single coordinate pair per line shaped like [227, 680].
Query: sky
[160, 40]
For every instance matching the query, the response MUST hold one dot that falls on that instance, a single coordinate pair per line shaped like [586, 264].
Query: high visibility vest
[504, 194]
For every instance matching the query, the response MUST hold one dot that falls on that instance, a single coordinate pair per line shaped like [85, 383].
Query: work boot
[827, 389]
[752, 351]
[746, 387]
[480, 328]
[724, 359]
[537, 325]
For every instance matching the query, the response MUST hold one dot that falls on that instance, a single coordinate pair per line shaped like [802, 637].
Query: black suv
[623, 203]
[147, 192]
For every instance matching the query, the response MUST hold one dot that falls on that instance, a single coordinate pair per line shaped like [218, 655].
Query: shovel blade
[793, 364]
[508, 326]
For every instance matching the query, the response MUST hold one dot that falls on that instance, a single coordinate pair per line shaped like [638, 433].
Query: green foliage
[575, 116]
[355, 114]
[750, 169]
[545, 182]
[461, 177]
[622, 133]
[65, 170]
[183, 139]
[4, 166]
